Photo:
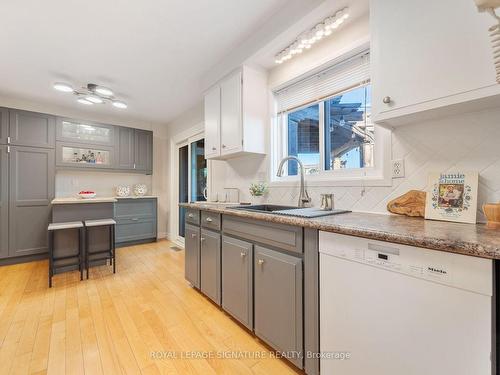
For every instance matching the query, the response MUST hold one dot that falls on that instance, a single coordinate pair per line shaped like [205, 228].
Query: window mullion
[321, 136]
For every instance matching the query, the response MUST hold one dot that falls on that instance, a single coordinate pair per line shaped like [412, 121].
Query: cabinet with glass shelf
[74, 155]
[77, 131]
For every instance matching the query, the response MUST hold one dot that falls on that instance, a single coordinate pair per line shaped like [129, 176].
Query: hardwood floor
[145, 319]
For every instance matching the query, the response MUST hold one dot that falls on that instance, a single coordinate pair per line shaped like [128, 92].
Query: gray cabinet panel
[278, 301]
[192, 255]
[31, 129]
[193, 216]
[4, 125]
[144, 150]
[237, 279]
[31, 191]
[284, 237]
[210, 220]
[210, 265]
[125, 148]
[4, 202]
[135, 219]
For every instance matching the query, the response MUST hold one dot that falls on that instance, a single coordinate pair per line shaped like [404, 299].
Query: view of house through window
[337, 130]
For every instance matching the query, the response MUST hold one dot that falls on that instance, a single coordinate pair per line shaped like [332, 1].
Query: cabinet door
[212, 123]
[85, 132]
[424, 53]
[31, 129]
[278, 301]
[125, 146]
[210, 265]
[144, 150]
[192, 255]
[231, 115]
[4, 125]
[4, 202]
[31, 191]
[237, 279]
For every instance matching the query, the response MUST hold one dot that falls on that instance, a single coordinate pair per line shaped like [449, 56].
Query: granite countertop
[468, 239]
[77, 200]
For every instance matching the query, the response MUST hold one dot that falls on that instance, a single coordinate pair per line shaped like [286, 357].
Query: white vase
[258, 199]
[140, 190]
[122, 191]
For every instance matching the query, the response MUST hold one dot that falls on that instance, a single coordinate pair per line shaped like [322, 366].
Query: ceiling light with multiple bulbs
[309, 37]
[91, 94]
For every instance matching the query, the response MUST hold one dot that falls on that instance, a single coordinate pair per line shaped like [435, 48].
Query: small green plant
[258, 189]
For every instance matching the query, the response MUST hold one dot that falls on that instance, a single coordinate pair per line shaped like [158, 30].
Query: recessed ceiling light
[103, 91]
[94, 99]
[84, 101]
[64, 87]
[119, 104]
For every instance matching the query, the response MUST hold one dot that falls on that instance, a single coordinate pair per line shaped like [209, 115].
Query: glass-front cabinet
[79, 156]
[84, 132]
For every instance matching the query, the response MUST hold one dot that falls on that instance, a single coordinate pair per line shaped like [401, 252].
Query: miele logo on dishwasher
[437, 270]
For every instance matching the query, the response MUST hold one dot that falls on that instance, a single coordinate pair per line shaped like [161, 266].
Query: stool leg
[113, 247]
[80, 252]
[87, 251]
[51, 255]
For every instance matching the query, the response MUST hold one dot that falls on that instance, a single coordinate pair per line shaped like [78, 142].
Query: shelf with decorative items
[76, 155]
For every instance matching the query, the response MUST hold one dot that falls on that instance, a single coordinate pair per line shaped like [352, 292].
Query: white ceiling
[152, 53]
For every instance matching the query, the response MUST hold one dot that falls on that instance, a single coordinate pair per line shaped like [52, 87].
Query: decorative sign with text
[452, 197]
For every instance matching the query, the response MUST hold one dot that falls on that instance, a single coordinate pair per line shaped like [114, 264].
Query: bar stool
[108, 253]
[52, 228]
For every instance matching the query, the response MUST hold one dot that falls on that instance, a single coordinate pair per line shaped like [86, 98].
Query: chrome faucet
[304, 198]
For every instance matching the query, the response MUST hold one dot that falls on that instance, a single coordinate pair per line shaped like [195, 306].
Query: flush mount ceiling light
[306, 39]
[92, 94]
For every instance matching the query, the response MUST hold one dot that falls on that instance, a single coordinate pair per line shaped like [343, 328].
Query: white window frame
[378, 175]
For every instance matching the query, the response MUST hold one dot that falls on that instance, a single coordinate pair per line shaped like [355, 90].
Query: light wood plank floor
[145, 319]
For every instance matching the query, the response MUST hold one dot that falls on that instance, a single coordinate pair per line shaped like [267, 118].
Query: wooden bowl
[492, 212]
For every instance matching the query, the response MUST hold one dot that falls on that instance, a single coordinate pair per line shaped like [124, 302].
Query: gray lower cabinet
[31, 129]
[4, 202]
[278, 301]
[192, 255]
[135, 220]
[31, 179]
[144, 150]
[4, 125]
[210, 264]
[237, 279]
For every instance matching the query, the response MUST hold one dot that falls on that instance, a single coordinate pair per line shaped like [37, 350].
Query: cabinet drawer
[285, 237]
[135, 207]
[193, 216]
[134, 229]
[210, 220]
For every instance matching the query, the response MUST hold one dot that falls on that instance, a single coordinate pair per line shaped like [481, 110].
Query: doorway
[192, 177]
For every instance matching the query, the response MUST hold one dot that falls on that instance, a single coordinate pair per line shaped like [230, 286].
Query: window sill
[326, 180]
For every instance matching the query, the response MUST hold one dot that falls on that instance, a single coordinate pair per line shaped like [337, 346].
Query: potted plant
[257, 191]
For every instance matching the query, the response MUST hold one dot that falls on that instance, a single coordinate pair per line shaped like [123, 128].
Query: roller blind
[336, 79]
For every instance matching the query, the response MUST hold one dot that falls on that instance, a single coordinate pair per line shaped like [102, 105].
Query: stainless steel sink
[264, 208]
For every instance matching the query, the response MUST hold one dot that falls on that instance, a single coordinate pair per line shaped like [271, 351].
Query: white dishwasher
[389, 309]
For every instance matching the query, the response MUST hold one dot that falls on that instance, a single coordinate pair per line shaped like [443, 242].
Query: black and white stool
[58, 262]
[107, 253]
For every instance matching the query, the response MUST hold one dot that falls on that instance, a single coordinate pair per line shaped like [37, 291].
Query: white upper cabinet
[236, 115]
[430, 58]
[212, 123]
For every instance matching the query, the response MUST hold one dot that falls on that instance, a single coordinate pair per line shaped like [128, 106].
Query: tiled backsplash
[69, 183]
[466, 142]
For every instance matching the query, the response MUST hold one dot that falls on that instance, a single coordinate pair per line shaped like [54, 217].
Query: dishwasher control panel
[457, 270]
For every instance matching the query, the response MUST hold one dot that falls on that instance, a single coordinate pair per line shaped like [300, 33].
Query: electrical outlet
[398, 168]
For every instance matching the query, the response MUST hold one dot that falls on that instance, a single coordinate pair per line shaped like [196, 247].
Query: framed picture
[452, 196]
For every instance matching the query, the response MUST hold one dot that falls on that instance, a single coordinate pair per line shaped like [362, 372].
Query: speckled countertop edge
[466, 239]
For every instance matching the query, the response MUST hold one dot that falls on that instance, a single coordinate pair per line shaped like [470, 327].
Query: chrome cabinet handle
[202, 239]
[387, 99]
[135, 219]
[208, 219]
[190, 215]
[223, 146]
[243, 254]
[214, 148]
[261, 262]
[193, 235]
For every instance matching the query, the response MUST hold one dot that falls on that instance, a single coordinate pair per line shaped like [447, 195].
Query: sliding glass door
[192, 176]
